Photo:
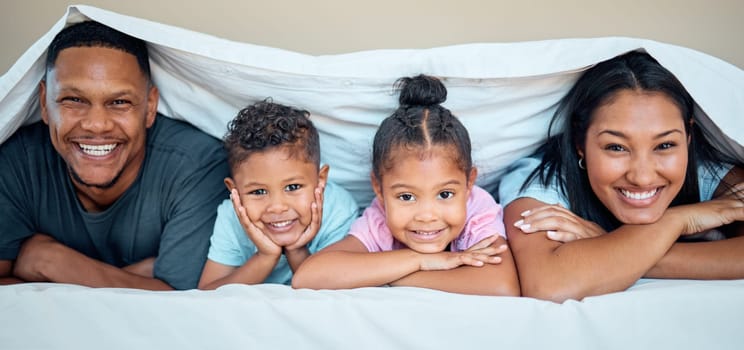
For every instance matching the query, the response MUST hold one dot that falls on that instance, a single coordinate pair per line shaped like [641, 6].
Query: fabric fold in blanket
[505, 94]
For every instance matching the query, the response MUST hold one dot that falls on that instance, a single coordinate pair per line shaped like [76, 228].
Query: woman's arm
[608, 262]
[348, 264]
[603, 264]
[722, 259]
[490, 279]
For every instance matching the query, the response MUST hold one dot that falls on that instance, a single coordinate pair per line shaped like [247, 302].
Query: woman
[606, 201]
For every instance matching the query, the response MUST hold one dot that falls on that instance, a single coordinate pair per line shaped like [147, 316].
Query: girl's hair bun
[421, 90]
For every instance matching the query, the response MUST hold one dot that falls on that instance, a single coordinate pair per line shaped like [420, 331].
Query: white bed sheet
[653, 314]
[504, 93]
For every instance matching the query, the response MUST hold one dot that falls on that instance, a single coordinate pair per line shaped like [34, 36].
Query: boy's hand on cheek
[316, 212]
[263, 243]
[297, 252]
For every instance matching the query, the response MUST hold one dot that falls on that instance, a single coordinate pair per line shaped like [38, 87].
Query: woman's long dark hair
[631, 71]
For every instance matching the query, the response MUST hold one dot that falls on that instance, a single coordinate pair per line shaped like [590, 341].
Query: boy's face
[277, 188]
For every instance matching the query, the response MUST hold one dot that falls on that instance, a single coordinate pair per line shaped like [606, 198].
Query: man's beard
[104, 186]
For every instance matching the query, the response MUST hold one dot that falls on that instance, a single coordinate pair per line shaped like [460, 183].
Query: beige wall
[336, 26]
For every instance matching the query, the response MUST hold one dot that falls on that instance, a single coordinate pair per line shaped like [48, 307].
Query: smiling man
[105, 192]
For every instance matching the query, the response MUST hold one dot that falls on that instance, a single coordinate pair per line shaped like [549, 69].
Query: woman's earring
[581, 164]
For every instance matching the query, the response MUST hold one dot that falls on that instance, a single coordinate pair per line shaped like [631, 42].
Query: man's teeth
[97, 150]
[281, 223]
[639, 195]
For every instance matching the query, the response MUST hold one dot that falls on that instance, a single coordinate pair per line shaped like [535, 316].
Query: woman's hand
[735, 192]
[715, 213]
[561, 224]
[263, 243]
[483, 252]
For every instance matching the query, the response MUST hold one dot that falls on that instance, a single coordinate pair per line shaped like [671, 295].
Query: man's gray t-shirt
[168, 212]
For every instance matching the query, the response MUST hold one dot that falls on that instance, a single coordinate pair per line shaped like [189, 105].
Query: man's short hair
[94, 34]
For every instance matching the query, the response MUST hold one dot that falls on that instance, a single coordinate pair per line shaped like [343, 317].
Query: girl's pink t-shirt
[484, 219]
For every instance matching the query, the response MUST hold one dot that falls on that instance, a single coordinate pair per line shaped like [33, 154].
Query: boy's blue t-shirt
[231, 246]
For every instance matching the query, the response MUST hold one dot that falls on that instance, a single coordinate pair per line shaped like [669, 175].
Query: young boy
[281, 207]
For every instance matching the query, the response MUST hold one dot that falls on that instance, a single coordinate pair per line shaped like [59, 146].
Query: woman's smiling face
[636, 155]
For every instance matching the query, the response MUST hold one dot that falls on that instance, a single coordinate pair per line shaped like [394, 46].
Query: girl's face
[636, 155]
[424, 195]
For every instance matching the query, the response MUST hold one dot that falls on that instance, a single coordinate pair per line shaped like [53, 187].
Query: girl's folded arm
[348, 264]
[489, 279]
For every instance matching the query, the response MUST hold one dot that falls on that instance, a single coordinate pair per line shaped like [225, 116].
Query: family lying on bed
[105, 193]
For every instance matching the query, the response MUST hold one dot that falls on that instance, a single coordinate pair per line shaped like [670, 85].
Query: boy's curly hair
[266, 125]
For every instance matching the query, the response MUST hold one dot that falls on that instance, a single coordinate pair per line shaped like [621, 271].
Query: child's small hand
[316, 211]
[483, 252]
[263, 243]
[488, 250]
[447, 261]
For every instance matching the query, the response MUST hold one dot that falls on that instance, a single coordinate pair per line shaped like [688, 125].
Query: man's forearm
[10, 280]
[6, 273]
[43, 259]
[79, 269]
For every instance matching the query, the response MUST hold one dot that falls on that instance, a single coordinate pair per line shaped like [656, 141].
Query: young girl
[428, 226]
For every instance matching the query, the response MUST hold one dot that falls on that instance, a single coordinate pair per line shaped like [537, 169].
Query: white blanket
[653, 314]
[504, 93]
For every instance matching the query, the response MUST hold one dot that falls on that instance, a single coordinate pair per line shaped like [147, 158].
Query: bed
[505, 95]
